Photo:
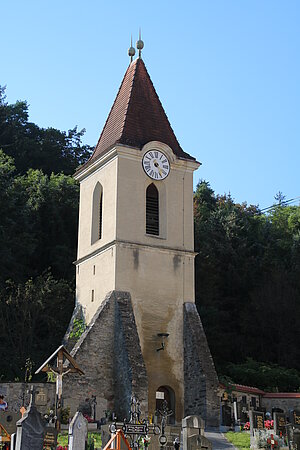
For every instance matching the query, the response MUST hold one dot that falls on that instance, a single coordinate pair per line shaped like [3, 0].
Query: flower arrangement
[88, 418]
[269, 424]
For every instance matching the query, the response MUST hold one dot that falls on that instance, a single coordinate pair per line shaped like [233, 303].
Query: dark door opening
[166, 393]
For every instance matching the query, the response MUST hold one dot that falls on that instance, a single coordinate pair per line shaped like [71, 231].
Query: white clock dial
[156, 164]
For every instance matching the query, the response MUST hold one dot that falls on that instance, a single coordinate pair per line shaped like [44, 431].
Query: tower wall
[110, 355]
[159, 280]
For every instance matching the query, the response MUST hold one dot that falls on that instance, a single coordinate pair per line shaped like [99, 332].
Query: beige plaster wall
[106, 175]
[96, 273]
[176, 205]
[159, 281]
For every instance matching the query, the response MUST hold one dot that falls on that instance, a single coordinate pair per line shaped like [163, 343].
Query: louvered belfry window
[152, 210]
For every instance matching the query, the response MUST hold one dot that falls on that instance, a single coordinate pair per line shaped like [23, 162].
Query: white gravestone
[78, 432]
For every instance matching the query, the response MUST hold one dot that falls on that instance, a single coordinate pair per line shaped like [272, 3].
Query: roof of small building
[248, 389]
[254, 390]
[137, 116]
[245, 389]
[282, 395]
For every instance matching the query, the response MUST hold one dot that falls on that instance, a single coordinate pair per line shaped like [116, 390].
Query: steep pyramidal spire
[137, 116]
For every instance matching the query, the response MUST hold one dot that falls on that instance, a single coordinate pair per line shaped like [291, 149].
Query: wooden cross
[65, 364]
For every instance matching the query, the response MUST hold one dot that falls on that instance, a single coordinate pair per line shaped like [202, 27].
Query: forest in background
[247, 268]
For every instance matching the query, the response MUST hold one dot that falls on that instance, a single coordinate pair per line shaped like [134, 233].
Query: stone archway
[166, 393]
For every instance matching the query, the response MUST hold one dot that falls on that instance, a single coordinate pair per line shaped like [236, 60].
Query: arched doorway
[166, 393]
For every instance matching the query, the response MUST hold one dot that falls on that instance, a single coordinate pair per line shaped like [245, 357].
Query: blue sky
[226, 71]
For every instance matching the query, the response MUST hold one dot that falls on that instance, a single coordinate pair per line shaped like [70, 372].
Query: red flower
[247, 426]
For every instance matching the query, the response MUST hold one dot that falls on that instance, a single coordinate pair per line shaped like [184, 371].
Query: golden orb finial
[140, 44]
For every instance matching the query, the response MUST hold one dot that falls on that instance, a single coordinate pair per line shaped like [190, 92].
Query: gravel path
[218, 440]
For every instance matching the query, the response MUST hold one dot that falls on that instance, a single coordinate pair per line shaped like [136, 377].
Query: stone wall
[130, 375]
[109, 353]
[200, 378]
[16, 393]
[284, 403]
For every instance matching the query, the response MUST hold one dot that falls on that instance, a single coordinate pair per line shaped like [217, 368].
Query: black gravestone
[296, 418]
[50, 438]
[279, 423]
[226, 416]
[258, 420]
[30, 430]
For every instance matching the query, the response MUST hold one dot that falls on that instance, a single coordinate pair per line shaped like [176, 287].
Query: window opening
[152, 210]
[100, 216]
[97, 214]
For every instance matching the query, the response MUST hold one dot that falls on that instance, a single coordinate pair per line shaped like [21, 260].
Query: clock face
[156, 165]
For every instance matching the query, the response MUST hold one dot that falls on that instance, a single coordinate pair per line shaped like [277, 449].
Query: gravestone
[50, 438]
[13, 441]
[30, 430]
[193, 434]
[279, 424]
[295, 418]
[226, 416]
[8, 420]
[41, 398]
[78, 431]
[293, 429]
[257, 420]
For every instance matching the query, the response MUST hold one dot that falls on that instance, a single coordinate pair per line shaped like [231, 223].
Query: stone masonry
[200, 378]
[110, 355]
[129, 369]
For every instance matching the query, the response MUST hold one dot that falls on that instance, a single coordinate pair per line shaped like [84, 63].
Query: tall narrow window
[97, 214]
[152, 210]
[100, 216]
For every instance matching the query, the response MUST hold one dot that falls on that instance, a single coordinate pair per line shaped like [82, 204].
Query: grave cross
[62, 368]
[165, 413]
[136, 429]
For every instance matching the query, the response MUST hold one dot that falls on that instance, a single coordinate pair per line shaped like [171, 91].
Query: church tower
[135, 265]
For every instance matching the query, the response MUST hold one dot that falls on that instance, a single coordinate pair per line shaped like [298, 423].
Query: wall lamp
[163, 336]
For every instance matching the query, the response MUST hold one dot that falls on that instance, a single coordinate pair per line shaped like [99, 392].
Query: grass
[63, 439]
[241, 440]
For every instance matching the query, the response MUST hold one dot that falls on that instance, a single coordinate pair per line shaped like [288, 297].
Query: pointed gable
[137, 116]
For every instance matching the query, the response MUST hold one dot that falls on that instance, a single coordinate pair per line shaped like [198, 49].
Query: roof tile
[137, 116]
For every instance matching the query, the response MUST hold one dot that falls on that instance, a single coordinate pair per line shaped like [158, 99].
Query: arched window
[152, 210]
[97, 213]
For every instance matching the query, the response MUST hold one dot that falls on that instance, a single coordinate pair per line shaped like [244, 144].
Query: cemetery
[137, 344]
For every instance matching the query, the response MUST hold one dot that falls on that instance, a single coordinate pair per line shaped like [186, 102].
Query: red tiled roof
[282, 395]
[246, 389]
[249, 389]
[137, 115]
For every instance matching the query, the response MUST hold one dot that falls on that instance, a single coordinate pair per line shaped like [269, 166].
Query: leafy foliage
[247, 280]
[38, 222]
[38, 234]
[33, 317]
[47, 149]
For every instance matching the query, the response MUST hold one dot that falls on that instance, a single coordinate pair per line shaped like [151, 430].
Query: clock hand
[159, 169]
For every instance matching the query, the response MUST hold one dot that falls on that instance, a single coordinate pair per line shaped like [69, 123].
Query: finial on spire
[140, 44]
[131, 50]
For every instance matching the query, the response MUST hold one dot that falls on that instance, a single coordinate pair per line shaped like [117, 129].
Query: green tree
[47, 149]
[33, 316]
[247, 279]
